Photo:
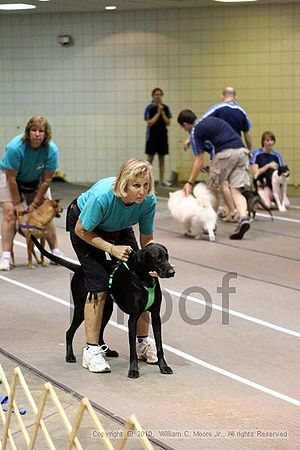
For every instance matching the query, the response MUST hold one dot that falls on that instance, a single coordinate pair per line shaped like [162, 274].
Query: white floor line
[173, 350]
[216, 307]
[284, 219]
[237, 314]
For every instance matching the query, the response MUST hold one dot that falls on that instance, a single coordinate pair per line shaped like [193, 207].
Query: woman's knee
[8, 212]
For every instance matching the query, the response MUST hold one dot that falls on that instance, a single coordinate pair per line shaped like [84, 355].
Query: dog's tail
[61, 261]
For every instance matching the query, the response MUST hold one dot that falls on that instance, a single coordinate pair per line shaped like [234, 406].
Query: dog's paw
[212, 238]
[70, 358]
[166, 370]
[188, 234]
[132, 373]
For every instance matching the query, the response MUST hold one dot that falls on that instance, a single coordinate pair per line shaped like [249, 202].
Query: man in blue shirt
[230, 111]
[26, 171]
[230, 161]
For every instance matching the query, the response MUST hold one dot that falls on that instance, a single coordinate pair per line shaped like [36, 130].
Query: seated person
[270, 173]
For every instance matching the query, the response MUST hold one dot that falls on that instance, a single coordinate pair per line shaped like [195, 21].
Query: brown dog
[37, 222]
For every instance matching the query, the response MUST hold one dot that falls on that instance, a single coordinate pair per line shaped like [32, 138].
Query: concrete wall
[95, 92]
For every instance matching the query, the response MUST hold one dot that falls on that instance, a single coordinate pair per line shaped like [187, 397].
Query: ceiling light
[110, 8]
[235, 1]
[15, 6]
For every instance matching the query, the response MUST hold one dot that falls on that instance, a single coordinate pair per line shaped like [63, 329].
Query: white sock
[6, 255]
[56, 252]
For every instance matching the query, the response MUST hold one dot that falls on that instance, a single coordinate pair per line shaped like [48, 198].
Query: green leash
[150, 290]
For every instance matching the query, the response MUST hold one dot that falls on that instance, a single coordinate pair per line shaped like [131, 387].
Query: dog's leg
[35, 256]
[13, 262]
[29, 252]
[43, 242]
[156, 325]
[196, 228]
[277, 194]
[210, 227]
[133, 371]
[186, 226]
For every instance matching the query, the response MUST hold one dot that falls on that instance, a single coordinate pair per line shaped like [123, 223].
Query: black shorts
[93, 261]
[157, 145]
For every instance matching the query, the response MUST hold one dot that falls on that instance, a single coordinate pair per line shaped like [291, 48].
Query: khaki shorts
[231, 165]
[5, 194]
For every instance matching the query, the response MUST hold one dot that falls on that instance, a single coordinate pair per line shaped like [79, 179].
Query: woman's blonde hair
[131, 169]
[41, 122]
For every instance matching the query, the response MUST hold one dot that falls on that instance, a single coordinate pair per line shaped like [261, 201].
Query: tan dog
[37, 222]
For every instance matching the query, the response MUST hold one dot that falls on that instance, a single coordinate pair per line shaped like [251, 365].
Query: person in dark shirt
[230, 161]
[230, 111]
[270, 173]
[158, 117]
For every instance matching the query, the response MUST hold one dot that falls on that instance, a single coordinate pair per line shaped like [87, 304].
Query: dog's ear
[165, 249]
[139, 258]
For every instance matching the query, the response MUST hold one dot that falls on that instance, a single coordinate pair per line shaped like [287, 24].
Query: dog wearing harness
[36, 222]
[133, 289]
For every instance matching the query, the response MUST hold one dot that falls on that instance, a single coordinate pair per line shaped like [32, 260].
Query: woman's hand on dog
[121, 252]
[19, 209]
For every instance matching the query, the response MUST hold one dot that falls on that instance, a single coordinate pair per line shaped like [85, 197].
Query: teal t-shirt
[28, 162]
[101, 208]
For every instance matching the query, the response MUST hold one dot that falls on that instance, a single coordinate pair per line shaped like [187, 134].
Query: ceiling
[57, 6]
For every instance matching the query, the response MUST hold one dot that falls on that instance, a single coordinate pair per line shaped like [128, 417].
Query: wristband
[191, 184]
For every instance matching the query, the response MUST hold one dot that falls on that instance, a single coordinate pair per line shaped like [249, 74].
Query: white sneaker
[165, 184]
[146, 351]
[92, 359]
[5, 263]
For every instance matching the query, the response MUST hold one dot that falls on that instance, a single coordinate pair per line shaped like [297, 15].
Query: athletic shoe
[5, 263]
[241, 229]
[164, 184]
[92, 359]
[146, 351]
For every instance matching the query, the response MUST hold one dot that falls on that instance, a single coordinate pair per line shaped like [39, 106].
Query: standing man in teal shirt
[26, 171]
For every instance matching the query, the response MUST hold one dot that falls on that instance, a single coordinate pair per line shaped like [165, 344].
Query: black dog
[129, 286]
[253, 200]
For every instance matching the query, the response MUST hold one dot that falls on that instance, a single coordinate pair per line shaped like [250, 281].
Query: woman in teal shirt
[100, 221]
[26, 171]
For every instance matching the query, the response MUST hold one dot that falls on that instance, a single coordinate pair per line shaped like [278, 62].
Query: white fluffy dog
[195, 212]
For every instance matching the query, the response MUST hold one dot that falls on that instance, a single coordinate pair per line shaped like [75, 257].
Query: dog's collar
[151, 295]
[26, 226]
[150, 290]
